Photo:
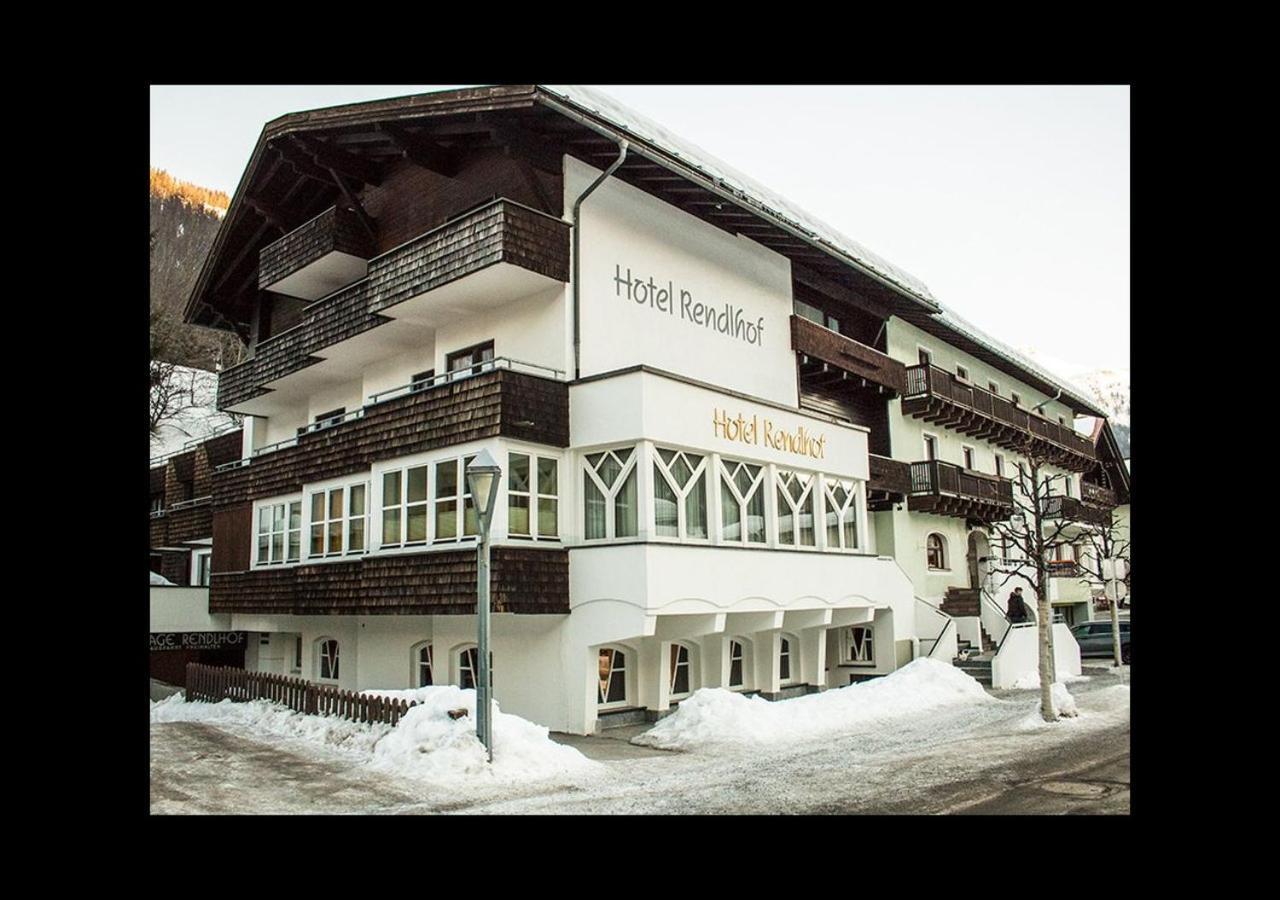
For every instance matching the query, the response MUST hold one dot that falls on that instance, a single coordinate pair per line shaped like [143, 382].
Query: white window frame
[206, 556]
[415, 664]
[999, 464]
[286, 506]
[946, 552]
[699, 472]
[461, 498]
[928, 353]
[972, 457]
[854, 652]
[628, 668]
[610, 492]
[728, 469]
[321, 645]
[810, 495]
[535, 496]
[925, 438]
[674, 665]
[403, 506]
[852, 505]
[793, 658]
[993, 387]
[472, 654]
[962, 373]
[344, 519]
[746, 658]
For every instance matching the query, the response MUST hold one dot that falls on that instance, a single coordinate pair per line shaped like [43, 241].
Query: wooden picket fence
[216, 683]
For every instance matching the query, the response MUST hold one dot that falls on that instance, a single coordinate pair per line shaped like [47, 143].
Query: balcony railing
[934, 394]
[947, 489]
[890, 475]
[1074, 510]
[845, 359]
[1063, 568]
[1096, 495]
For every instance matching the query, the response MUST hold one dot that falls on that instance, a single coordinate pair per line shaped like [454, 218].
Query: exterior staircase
[967, 603]
[961, 602]
[979, 668]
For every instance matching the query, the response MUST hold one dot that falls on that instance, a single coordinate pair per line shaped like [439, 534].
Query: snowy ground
[919, 741]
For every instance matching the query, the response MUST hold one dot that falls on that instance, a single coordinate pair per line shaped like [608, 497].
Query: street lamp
[483, 475]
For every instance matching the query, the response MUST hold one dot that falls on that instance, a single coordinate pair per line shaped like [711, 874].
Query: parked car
[1094, 639]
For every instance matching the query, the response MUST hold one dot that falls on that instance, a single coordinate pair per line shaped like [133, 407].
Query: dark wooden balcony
[315, 259]
[1096, 495]
[946, 489]
[499, 232]
[1063, 568]
[829, 360]
[496, 401]
[937, 396]
[890, 483]
[1074, 510]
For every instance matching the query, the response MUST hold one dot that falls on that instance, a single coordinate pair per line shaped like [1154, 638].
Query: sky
[1010, 202]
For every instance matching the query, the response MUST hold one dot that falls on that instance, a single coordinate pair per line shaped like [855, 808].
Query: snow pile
[426, 744]
[1030, 680]
[1063, 703]
[719, 716]
[158, 579]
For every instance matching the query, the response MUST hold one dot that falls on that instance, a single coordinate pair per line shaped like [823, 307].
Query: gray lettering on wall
[727, 319]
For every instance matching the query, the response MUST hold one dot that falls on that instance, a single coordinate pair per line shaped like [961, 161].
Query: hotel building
[738, 449]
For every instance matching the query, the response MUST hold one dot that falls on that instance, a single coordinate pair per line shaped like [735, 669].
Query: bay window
[404, 506]
[680, 494]
[533, 497]
[609, 502]
[455, 512]
[741, 502]
[842, 515]
[338, 520]
[279, 533]
[796, 509]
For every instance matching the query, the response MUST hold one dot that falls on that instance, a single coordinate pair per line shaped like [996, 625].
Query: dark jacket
[1017, 609]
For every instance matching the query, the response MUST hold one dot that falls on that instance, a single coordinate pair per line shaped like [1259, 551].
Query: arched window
[469, 666]
[788, 659]
[421, 661]
[936, 551]
[680, 671]
[612, 690]
[327, 653]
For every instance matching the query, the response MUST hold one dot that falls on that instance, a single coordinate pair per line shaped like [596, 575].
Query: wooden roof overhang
[1111, 460]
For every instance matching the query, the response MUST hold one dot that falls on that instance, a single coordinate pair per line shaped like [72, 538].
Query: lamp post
[483, 475]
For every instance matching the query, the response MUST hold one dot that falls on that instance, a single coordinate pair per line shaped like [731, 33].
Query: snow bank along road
[951, 749]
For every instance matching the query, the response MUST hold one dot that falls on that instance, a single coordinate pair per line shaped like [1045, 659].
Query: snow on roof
[158, 579]
[645, 129]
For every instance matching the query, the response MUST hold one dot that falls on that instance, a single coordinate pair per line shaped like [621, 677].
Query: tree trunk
[1045, 615]
[1115, 618]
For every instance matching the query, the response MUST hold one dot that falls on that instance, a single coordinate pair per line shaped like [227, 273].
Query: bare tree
[1038, 523]
[1107, 539]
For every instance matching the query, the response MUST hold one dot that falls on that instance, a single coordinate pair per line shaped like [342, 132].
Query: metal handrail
[193, 442]
[488, 365]
[331, 421]
[194, 501]
[158, 513]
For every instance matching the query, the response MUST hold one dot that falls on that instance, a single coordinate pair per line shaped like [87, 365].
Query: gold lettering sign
[755, 430]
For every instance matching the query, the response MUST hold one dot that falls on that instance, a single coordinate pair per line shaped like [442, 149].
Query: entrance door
[979, 548]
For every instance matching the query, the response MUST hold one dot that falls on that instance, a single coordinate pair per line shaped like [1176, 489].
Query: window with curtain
[679, 494]
[532, 497]
[742, 508]
[609, 502]
[279, 533]
[842, 514]
[796, 492]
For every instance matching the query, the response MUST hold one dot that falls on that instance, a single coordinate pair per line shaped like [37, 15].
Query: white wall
[184, 609]
[1020, 655]
[624, 228]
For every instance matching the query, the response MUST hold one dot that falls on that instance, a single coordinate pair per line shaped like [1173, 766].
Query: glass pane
[317, 540]
[335, 537]
[735, 673]
[784, 662]
[519, 463]
[391, 489]
[695, 509]
[447, 520]
[470, 521]
[517, 514]
[730, 513]
[357, 500]
[548, 518]
[295, 514]
[264, 519]
[277, 546]
[624, 455]
[355, 541]
[797, 487]
[693, 459]
[391, 526]
[263, 547]
[833, 528]
[755, 518]
[626, 515]
[680, 471]
[317, 507]
[609, 470]
[547, 476]
[593, 509]
[604, 668]
[665, 512]
[593, 460]
[742, 478]
[667, 455]
[786, 522]
[850, 529]
[416, 522]
[416, 489]
[807, 536]
[447, 479]
[277, 517]
[839, 495]
[335, 503]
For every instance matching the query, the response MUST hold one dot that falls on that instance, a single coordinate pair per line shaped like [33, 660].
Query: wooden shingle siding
[498, 403]
[501, 231]
[175, 565]
[232, 538]
[159, 535]
[190, 523]
[185, 477]
[336, 228]
[434, 583]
